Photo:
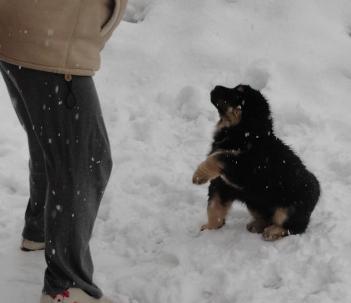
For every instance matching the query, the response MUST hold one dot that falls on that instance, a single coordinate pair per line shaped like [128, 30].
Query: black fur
[267, 174]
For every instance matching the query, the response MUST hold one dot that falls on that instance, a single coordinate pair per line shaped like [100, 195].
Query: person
[49, 51]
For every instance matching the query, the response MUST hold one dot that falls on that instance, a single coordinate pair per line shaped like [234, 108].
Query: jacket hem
[49, 69]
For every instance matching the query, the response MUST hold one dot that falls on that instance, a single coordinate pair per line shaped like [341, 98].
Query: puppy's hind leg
[258, 224]
[276, 231]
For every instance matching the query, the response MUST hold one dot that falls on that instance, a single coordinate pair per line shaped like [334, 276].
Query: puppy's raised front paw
[200, 176]
[207, 170]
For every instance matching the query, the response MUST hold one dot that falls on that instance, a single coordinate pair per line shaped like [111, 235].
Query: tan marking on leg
[225, 179]
[258, 224]
[274, 232]
[280, 216]
[216, 213]
[208, 170]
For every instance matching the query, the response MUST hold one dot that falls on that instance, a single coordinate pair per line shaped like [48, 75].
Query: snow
[154, 87]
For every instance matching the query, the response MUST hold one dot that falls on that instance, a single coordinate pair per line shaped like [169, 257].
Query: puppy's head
[241, 105]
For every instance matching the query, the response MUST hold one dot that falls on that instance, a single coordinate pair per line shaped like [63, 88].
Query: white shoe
[28, 245]
[73, 295]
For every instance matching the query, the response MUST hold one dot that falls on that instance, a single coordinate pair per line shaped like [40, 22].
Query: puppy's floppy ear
[220, 97]
[257, 114]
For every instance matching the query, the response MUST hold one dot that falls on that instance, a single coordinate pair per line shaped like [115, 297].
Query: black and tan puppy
[249, 163]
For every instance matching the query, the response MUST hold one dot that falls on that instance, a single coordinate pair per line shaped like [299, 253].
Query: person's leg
[66, 118]
[34, 217]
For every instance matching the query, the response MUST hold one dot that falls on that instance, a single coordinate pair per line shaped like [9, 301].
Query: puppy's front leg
[217, 211]
[208, 170]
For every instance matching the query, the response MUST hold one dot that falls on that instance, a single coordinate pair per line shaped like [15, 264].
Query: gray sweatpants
[70, 164]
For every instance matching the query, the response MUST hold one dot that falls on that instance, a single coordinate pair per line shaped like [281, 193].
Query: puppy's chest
[248, 171]
[224, 140]
[232, 183]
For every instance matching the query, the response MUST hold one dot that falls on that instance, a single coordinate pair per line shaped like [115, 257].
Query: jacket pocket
[109, 25]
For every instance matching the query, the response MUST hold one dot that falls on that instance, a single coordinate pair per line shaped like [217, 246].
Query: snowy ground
[154, 87]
